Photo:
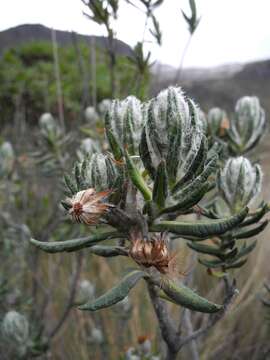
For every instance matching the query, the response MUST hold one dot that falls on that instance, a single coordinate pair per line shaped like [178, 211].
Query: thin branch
[71, 297]
[167, 327]
[212, 320]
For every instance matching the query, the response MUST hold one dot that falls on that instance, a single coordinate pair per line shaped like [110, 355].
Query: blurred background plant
[39, 293]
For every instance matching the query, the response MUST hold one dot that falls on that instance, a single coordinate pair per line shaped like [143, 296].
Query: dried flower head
[88, 206]
[152, 252]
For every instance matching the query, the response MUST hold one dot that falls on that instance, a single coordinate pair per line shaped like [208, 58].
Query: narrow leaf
[137, 178]
[74, 244]
[117, 293]
[188, 298]
[201, 229]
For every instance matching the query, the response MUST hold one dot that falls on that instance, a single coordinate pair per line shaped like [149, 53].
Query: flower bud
[239, 182]
[90, 114]
[124, 305]
[173, 132]
[125, 120]
[15, 326]
[218, 123]
[96, 336]
[7, 159]
[87, 148]
[86, 292]
[145, 345]
[104, 106]
[48, 126]
[247, 126]
[101, 172]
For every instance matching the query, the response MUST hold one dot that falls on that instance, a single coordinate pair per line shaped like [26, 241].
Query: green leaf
[114, 145]
[252, 232]
[117, 293]
[74, 244]
[201, 229]
[212, 263]
[205, 249]
[188, 298]
[160, 190]
[254, 218]
[145, 155]
[70, 184]
[108, 251]
[188, 201]
[235, 265]
[137, 178]
[198, 181]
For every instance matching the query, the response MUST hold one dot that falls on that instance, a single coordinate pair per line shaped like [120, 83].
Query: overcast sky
[230, 30]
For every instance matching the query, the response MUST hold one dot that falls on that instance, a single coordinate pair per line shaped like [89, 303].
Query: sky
[230, 31]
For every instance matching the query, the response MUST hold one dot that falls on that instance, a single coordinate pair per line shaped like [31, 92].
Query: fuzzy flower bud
[7, 159]
[87, 148]
[15, 326]
[96, 336]
[90, 114]
[239, 182]
[125, 120]
[86, 292]
[247, 126]
[48, 126]
[218, 123]
[174, 130]
[104, 106]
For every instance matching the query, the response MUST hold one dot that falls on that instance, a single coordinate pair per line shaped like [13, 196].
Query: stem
[58, 80]
[180, 69]
[167, 327]
[72, 294]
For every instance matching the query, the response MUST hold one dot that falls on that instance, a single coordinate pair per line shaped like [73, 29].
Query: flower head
[88, 206]
[153, 252]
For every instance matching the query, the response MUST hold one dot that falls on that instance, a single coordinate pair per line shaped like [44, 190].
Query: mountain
[220, 86]
[36, 32]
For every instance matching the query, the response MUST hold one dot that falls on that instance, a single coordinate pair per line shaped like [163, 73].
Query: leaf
[254, 218]
[235, 265]
[188, 298]
[108, 251]
[189, 201]
[114, 145]
[74, 244]
[70, 184]
[205, 249]
[145, 155]
[137, 178]
[160, 190]
[201, 229]
[212, 263]
[117, 293]
[252, 232]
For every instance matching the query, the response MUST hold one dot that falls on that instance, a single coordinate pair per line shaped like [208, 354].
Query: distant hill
[220, 86]
[36, 32]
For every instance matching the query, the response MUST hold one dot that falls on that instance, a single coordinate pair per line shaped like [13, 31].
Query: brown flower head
[88, 206]
[152, 252]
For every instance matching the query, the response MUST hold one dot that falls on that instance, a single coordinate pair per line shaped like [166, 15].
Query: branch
[72, 294]
[167, 327]
[232, 292]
